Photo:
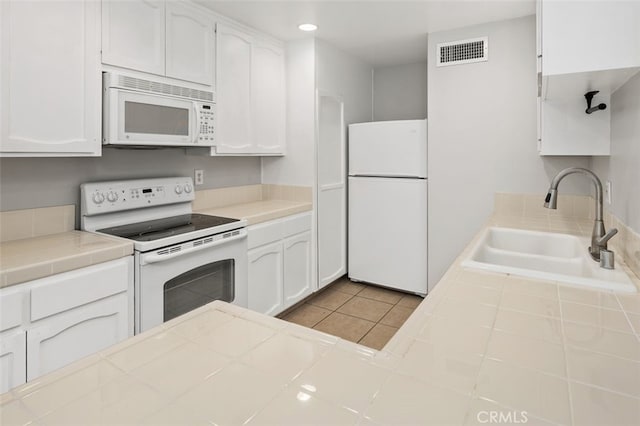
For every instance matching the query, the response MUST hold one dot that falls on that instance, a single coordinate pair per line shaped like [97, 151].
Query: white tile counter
[260, 211]
[254, 203]
[480, 343]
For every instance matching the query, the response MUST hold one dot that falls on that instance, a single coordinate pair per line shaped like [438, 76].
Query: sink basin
[545, 255]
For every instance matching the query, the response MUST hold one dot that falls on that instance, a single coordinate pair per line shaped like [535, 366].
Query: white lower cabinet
[280, 263]
[48, 323]
[297, 268]
[266, 279]
[66, 337]
[13, 360]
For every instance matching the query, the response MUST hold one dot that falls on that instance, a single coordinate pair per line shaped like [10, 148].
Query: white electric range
[183, 260]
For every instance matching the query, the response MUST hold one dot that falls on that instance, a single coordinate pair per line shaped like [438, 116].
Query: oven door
[171, 282]
[135, 118]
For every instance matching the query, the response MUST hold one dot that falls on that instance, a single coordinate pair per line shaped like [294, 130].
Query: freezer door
[388, 148]
[388, 232]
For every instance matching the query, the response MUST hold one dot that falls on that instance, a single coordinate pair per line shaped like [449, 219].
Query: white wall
[622, 168]
[400, 92]
[482, 136]
[347, 76]
[314, 64]
[297, 166]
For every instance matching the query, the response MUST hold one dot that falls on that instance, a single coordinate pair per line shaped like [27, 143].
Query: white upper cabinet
[190, 44]
[133, 35]
[173, 39]
[233, 91]
[50, 78]
[251, 94]
[587, 45]
[589, 36]
[268, 97]
[582, 47]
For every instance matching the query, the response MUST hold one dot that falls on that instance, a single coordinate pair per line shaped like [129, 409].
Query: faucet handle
[606, 237]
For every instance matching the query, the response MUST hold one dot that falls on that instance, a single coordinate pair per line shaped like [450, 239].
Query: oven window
[199, 286]
[155, 119]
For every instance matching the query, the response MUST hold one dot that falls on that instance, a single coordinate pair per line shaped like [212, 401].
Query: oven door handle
[151, 258]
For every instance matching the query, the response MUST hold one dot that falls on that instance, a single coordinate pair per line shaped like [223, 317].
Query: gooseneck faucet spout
[599, 237]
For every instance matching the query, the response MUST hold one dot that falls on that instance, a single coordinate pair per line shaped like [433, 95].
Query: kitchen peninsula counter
[480, 343]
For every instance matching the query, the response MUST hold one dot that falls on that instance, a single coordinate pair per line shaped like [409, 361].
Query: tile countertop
[260, 211]
[38, 257]
[480, 345]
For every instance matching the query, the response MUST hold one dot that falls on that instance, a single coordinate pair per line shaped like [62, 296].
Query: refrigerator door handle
[390, 176]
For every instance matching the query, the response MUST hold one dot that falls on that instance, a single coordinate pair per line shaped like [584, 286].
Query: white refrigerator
[387, 237]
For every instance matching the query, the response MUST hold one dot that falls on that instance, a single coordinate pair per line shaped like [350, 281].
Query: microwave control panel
[207, 119]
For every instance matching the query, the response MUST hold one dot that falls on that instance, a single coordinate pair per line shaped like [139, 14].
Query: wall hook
[589, 96]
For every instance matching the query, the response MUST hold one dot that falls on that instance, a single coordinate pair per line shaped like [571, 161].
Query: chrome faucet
[599, 237]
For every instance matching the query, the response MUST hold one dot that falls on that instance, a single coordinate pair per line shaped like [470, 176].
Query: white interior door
[331, 189]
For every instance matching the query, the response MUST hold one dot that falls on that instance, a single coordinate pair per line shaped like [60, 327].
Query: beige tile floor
[356, 312]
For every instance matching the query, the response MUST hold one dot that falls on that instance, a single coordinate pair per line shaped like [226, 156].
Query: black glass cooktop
[162, 228]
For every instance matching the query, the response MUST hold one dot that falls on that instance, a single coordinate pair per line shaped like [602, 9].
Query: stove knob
[98, 198]
[178, 189]
[187, 188]
[112, 197]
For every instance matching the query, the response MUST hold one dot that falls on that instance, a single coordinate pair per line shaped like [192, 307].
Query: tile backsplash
[574, 213]
[214, 198]
[19, 224]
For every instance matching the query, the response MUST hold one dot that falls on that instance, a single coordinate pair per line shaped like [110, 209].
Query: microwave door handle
[148, 259]
[196, 133]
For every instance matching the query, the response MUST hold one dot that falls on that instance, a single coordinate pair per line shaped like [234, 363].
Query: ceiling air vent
[463, 51]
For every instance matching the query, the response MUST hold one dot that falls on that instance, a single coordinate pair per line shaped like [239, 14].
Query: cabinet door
[268, 98]
[233, 91]
[266, 279]
[50, 77]
[13, 359]
[297, 268]
[589, 36]
[133, 34]
[64, 338]
[190, 39]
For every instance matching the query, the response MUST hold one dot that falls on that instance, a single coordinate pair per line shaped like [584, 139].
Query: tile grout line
[566, 358]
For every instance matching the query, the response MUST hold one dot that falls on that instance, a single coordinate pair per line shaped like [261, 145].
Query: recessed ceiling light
[308, 27]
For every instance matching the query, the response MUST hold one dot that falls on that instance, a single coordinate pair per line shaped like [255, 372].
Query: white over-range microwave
[139, 112]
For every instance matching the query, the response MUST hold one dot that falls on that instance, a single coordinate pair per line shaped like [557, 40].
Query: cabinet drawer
[264, 233]
[11, 303]
[296, 224]
[274, 230]
[72, 289]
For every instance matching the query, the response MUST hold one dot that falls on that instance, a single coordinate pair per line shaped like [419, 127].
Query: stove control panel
[113, 196]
